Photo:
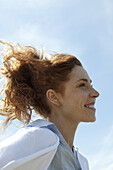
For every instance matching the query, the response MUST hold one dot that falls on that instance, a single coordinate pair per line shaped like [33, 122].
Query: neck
[67, 128]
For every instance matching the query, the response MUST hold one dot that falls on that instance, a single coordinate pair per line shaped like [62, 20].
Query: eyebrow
[86, 80]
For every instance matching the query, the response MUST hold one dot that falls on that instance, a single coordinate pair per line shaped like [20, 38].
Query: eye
[82, 85]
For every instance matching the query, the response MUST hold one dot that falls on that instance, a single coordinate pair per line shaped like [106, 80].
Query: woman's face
[77, 103]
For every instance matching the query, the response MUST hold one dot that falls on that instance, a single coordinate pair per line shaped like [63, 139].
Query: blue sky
[83, 28]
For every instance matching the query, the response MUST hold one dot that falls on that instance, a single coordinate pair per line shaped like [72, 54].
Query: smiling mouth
[90, 106]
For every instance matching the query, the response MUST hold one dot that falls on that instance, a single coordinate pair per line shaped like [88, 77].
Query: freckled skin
[77, 94]
[69, 110]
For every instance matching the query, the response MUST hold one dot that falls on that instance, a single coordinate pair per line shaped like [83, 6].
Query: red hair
[28, 77]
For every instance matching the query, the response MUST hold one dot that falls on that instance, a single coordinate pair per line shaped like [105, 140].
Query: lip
[91, 108]
[92, 103]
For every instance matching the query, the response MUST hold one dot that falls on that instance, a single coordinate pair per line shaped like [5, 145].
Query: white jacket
[32, 148]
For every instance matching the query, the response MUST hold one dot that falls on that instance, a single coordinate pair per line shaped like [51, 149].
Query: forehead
[78, 73]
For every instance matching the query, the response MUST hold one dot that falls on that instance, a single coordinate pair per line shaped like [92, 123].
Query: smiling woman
[60, 90]
[83, 97]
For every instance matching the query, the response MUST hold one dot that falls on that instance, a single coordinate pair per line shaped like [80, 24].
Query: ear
[53, 97]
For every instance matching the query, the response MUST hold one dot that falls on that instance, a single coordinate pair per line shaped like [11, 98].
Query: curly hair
[28, 76]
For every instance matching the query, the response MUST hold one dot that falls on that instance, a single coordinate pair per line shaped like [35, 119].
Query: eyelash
[83, 85]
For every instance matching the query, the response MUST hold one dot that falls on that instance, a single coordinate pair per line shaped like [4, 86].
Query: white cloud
[108, 5]
[42, 3]
[35, 35]
[103, 159]
[108, 140]
[32, 3]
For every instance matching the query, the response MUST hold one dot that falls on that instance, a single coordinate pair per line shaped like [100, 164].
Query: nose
[94, 93]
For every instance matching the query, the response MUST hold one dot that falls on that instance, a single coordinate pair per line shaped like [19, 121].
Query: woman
[60, 90]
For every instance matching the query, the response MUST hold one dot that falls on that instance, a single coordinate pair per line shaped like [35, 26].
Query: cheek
[76, 99]
[81, 100]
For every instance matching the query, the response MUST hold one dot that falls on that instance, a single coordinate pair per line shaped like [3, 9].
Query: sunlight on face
[79, 97]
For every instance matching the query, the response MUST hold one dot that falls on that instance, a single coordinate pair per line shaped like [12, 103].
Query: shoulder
[31, 135]
[28, 141]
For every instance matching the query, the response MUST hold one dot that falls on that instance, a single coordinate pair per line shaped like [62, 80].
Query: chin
[93, 119]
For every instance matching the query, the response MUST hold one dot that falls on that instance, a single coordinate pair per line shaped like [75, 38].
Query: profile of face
[77, 103]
